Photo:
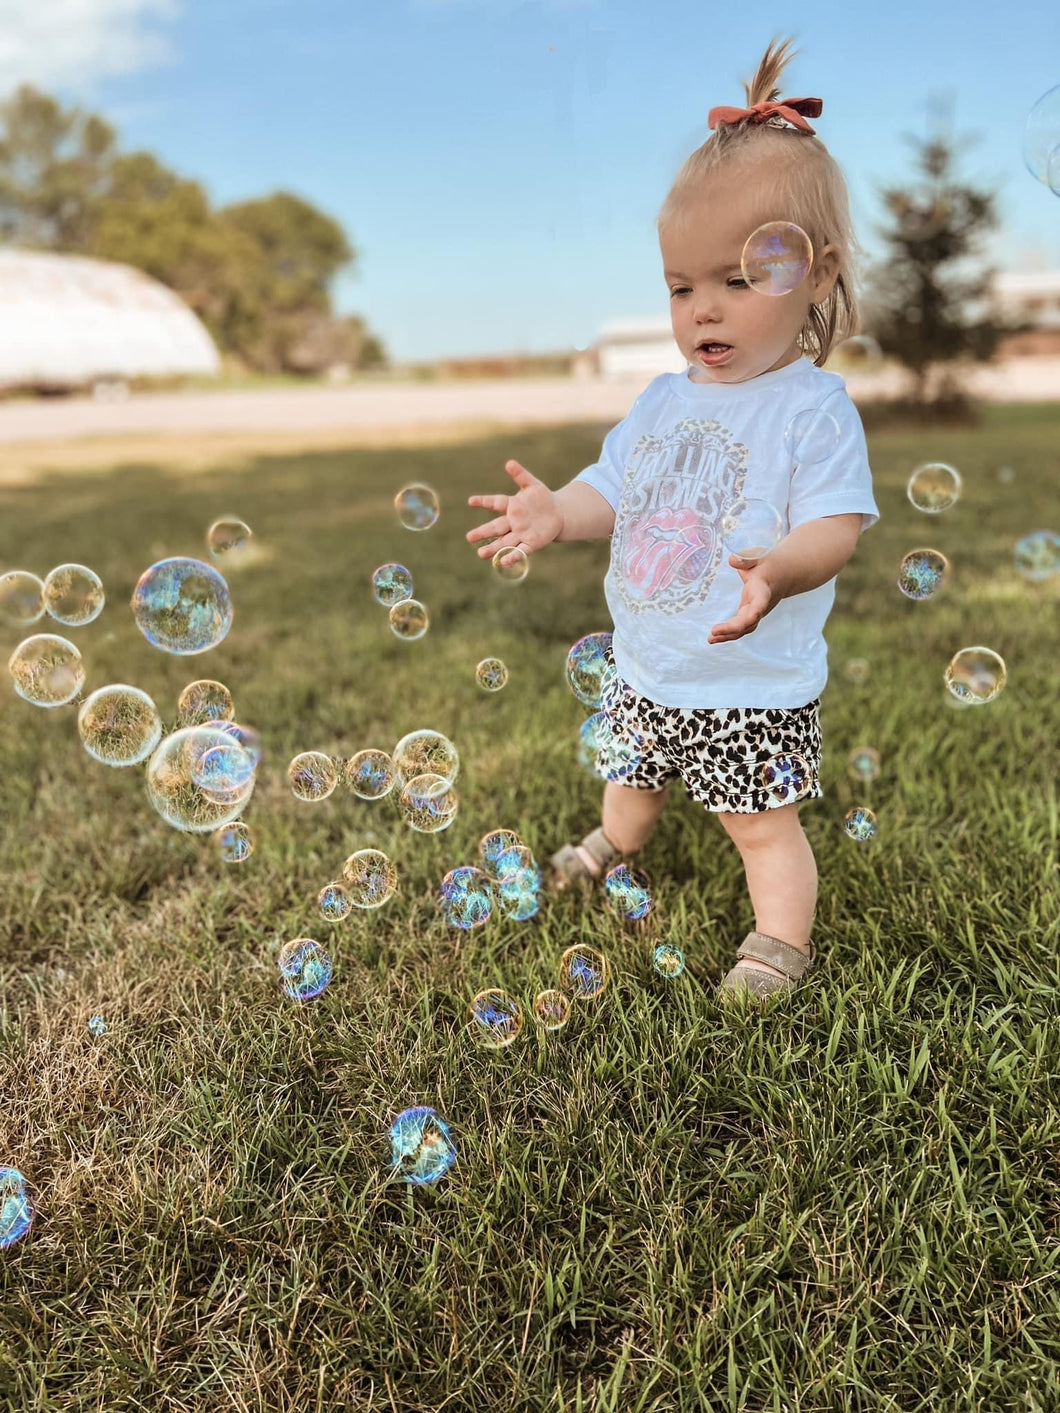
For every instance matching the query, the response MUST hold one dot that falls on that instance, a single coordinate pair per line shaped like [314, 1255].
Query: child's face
[708, 296]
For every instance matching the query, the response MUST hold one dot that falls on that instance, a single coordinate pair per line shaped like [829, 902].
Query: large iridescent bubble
[21, 598]
[182, 606]
[204, 701]
[776, 257]
[73, 595]
[16, 1207]
[119, 725]
[495, 1018]
[425, 752]
[47, 670]
[370, 878]
[370, 774]
[466, 897]
[422, 1148]
[588, 670]
[172, 786]
[305, 968]
[976, 675]
[428, 803]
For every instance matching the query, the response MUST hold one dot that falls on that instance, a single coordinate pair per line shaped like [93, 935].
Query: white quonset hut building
[68, 321]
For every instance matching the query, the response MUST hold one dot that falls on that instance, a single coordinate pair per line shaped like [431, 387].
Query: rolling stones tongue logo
[666, 545]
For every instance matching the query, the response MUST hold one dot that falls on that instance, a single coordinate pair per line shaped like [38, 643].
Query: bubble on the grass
[425, 752]
[858, 354]
[224, 772]
[517, 883]
[171, 784]
[97, 1026]
[491, 674]
[73, 594]
[934, 487]
[860, 823]
[976, 675]
[428, 803]
[495, 844]
[305, 968]
[514, 571]
[47, 670]
[751, 528]
[409, 620]
[370, 878]
[551, 1010]
[312, 776]
[235, 842]
[786, 776]
[863, 763]
[119, 725]
[1037, 556]
[465, 897]
[583, 972]
[776, 257]
[1041, 135]
[857, 669]
[514, 860]
[417, 506]
[589, 672]
[334, 902]
[204, 701]
[628, 892]
[811, 436]
[668, 961]
[226, 535]
[495, 1018]
[21, 598]
[922, 573]
[16, 1207]
[422, 1148]
[391, 584]
[182, 606]
[370, 774]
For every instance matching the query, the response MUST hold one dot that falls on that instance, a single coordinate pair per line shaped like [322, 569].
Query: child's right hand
[526, 521]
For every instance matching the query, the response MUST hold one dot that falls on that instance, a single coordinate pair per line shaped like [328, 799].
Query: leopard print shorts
[718, 753]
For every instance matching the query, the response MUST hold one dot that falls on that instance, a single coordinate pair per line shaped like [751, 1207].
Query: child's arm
[535, 516]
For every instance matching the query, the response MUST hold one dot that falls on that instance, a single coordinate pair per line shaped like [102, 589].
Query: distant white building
[70, 321]
[1031, 296]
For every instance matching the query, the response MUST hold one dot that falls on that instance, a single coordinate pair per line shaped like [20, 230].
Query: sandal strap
[777, 954]
[599, 847]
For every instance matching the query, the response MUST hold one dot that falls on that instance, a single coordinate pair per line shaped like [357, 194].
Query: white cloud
[75, 42]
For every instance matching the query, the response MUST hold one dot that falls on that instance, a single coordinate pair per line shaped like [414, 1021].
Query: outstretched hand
[526, 521]
[755, 602]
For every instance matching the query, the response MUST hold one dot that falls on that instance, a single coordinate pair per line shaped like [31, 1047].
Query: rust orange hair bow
[790, 108]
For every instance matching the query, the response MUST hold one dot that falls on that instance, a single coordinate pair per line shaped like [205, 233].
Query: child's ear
[825, 273]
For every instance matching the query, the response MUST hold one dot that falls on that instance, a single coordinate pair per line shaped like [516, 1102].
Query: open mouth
[710, 352]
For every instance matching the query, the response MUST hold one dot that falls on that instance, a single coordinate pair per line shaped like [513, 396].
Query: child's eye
[678, 291]
[737, 284]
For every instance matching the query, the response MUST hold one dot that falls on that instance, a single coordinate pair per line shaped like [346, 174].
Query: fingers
[497, 503]
[490, 530]
[508, 541]
[520, 475]
[511, 556]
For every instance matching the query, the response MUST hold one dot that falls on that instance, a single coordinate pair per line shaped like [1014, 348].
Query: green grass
[848, 1203]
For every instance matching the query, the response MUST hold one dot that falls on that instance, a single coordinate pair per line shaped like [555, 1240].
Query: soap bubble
[857, 669]
[514, 572]
[621, 751]
[1041, 135]
[593, 735]
[119, 725]
[305, 968]
[312, 776]
[976, 675]
[182, 606]
[97, 1026]
[417, 506]
[334, 902]
[171, 784]
[226, 535]
[922, 573]
[583, 972]
[425, 752]
[628, 892]
[491, 674]
[751, 528]
[934, 487]
[495, 844]
[370, 878]
[1037, 556]
[517, 861]
[858, 354]
[860, 823]
[409, 620]
[863, 763]
[668, 961]
[234, 842]
[16, 1207]
[588, 670]
[551, 1010]
[391, 584]
[466, 897]
[776, 257]
[495, 1018]
[428, 803]
[786, 776]
[47, 670]
[205, 701]
[224, 772]
[370, 774]
[422, 1147]
[247, 737]
[73, 595]
[518, 882]
[811, 436]
[21, 598]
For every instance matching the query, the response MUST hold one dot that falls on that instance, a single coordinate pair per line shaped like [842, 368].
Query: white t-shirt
[686, 451]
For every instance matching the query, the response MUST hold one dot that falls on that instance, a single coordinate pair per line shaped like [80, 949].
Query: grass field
[851, 1202]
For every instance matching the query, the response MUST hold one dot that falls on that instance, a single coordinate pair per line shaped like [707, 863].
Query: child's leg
[629, 818]
[781, 875]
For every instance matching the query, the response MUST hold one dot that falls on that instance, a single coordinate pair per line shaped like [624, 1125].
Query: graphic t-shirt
[669, 470]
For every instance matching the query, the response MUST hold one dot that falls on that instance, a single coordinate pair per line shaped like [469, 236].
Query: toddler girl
[720, 660]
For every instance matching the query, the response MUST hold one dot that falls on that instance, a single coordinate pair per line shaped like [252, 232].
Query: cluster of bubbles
[495, 1018]
[507, 878]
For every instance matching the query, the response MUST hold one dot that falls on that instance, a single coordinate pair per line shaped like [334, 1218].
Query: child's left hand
[755, 602]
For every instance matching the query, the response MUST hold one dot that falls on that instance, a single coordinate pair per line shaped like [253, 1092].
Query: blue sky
[498, 164]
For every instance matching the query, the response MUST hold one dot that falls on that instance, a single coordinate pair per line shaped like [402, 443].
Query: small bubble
[305, 968]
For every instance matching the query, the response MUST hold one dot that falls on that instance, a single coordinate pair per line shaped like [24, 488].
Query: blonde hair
[806, 186]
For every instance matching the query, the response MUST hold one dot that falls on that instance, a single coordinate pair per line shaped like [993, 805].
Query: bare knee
[762, 830]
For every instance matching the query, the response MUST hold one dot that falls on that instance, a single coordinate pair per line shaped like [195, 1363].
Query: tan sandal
[569, 867]
[793, 963]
